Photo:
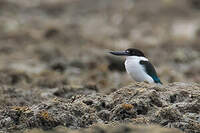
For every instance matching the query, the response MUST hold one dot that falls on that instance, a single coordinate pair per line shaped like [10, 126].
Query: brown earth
[110, 129]
[174, 105]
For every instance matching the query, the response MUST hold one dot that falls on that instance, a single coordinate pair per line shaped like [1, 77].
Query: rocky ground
[55, 70]
[174, 105]
[109, 129]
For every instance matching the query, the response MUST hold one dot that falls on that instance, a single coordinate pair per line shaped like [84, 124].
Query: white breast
[136, 70]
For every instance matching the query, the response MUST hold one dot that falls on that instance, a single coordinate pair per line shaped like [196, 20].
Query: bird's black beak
[119, 53]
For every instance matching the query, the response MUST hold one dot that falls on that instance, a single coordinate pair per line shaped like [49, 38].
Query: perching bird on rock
[138, 66]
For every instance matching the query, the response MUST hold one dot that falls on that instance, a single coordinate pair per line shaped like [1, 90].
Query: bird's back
[150, 70]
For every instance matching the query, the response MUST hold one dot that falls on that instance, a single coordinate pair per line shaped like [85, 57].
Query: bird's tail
[157, 80]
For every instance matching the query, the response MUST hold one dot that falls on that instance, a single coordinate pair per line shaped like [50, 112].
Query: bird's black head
[129, 52]
[134, 52]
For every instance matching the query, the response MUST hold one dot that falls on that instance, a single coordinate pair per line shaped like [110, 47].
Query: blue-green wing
[150, 70]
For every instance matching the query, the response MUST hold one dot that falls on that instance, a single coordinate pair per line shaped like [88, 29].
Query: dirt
[56, 72]
[116, 128]
[174, 105]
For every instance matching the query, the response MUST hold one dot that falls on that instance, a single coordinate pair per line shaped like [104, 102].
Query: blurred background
[51, 43]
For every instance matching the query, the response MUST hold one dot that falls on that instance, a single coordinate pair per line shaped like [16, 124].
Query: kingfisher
[138, 66]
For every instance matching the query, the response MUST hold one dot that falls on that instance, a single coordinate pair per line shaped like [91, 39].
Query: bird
[138, 66]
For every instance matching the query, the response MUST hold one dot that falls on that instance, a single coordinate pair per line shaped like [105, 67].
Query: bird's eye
[127, 51]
